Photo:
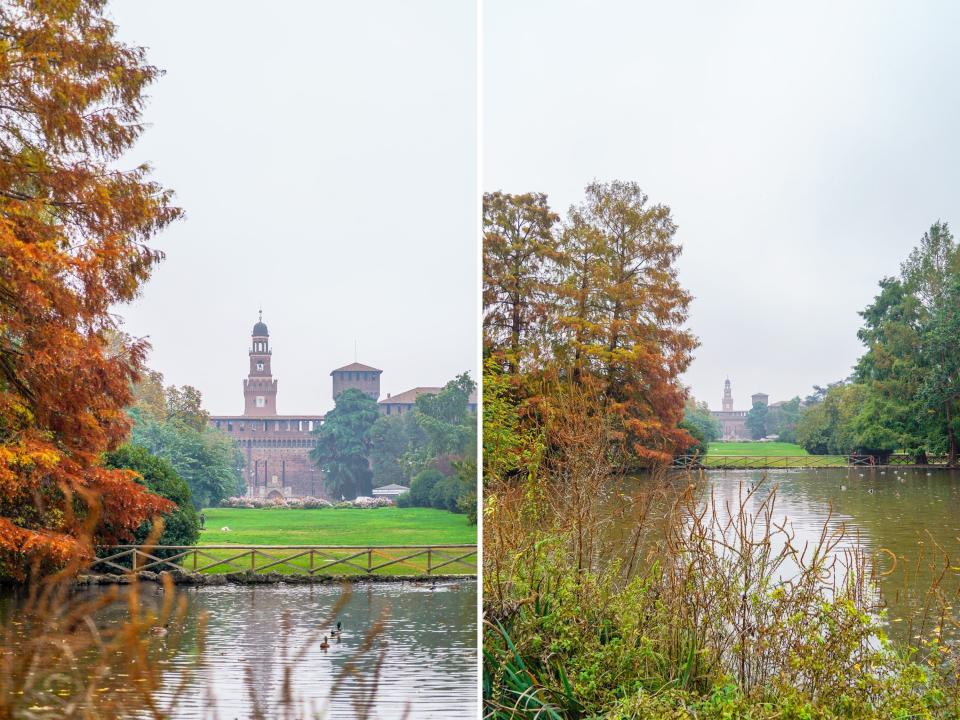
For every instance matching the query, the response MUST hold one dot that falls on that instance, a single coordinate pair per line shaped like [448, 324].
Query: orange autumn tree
[590, 308]
[73, 242]
[624, 309]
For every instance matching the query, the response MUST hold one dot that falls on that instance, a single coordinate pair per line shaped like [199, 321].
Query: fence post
[133, 563]
[253, 559]
[429, 559]
[311, 561]
[369, 561]
[194, 559]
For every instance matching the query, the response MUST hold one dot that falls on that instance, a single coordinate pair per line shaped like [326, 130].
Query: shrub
[403, 500]
[421, 487]
[445, 493]
[181, 526]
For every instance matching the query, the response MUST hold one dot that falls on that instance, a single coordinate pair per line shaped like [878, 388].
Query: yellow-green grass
[768, 449]
[766, 455]
[350, 527]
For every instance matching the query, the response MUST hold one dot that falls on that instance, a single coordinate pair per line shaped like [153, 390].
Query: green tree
[782, 420]
[702, 426]
[940, 391]
[446, 418]
[181, 525]
[206, 459]
[757, 420]
[518, 245]
[343, 445]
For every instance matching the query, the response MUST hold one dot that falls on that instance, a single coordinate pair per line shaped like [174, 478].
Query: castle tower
[260, 389]
[727, 397]
[759, 399]
[359, 376]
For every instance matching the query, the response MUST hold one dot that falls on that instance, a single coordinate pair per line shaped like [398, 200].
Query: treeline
[904, 394]
[589, 304]
[430, 449]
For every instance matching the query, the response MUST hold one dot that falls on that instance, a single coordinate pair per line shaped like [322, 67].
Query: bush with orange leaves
[73, 234]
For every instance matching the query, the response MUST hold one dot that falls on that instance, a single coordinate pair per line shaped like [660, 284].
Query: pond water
[906, 512]
[427, 645]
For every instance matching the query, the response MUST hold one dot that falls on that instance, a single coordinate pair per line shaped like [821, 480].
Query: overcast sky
[324, 153]
[804, 148]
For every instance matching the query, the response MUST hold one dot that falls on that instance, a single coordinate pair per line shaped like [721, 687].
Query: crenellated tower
[260, 389]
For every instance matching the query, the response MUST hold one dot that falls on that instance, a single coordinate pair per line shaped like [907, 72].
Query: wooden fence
[291, 559]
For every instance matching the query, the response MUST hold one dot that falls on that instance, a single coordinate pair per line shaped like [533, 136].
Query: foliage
[447, 421]
[697, 624]
[73, 238]
[757, 420]
[604, 309]
[519, 247]
[181, 526]
[393, 439]
[208, 460]
[782, 419]
[905, 392]
[343, 445]
[439, 434]
[702, 426]
[422, 486]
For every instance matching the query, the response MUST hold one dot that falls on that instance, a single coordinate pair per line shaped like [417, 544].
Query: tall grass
[703, 609]
[60, 660]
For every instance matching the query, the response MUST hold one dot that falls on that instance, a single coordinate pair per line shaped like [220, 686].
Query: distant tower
[759, 398]
[727, 397]
[359, 376]
[260, 389]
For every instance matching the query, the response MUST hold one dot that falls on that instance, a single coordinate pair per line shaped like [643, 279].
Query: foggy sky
[325, 156]
[804, 148]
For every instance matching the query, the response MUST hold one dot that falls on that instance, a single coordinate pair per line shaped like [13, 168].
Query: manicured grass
[768, 455]
[379, 526]
[376, 527]
[768, 449]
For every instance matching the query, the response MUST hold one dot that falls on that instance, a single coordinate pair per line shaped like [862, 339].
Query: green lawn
[377, 527]
[768, 449]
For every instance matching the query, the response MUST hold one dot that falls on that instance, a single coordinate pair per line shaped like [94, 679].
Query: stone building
[359, 376]
[406, 401]
[733, 423]
[276, 448]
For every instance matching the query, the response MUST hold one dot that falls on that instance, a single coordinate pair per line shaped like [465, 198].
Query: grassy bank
[379, 526]
[768, 449]
[767, 455]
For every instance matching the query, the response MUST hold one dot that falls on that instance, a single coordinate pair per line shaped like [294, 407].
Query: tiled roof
[410, 396]
[354, 367]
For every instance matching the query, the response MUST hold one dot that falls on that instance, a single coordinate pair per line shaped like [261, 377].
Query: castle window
[260, 367]
[261, 401]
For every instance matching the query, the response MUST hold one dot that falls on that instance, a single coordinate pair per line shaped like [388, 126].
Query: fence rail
[765, 462]
[291, 559]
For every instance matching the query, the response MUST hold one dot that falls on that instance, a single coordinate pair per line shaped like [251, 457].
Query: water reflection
[428, 645]
[910, 513]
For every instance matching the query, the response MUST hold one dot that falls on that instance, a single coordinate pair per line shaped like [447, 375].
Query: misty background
[803, 148]
[325, 155]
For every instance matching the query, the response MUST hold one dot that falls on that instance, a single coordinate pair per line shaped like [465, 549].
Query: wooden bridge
[799, 462]
[291, 559]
